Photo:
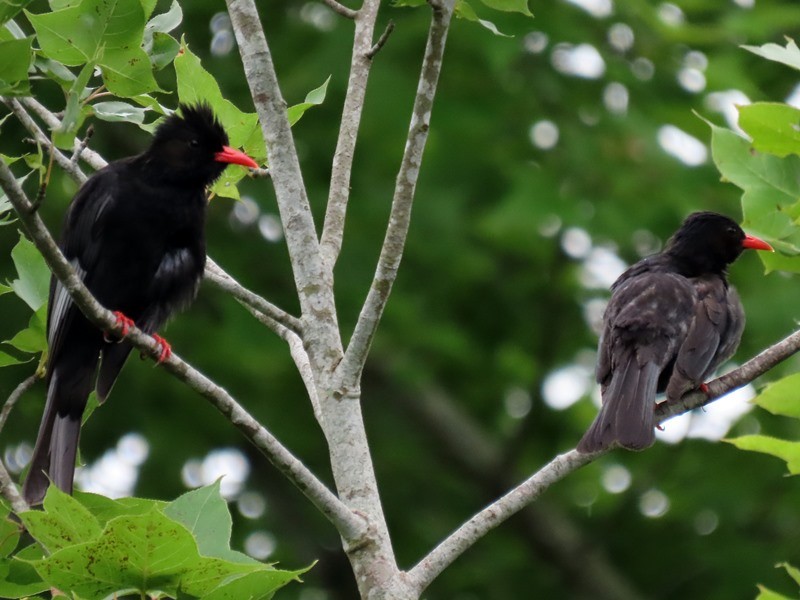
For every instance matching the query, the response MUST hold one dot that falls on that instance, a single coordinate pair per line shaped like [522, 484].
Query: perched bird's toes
[123, 322]
[166, 349]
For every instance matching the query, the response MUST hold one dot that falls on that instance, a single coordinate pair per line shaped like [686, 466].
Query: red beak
[753, 243]
[230, 155]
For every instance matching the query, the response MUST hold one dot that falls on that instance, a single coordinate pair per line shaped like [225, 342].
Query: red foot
[122, 321]
[703, 388]
[166, 349]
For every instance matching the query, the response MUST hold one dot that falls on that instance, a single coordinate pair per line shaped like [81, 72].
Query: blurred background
[557, 156]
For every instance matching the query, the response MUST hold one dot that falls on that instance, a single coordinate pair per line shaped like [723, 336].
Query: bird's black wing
[713, 336]
[83, 226]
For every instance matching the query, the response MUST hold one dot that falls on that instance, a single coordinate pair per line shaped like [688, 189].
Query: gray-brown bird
[673, 318]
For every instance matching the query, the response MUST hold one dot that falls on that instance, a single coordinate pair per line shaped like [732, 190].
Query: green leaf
[254, 586]
[9, 535]
[76, 35]
[314, 98]
[32, 340]
[464, 10]
[128, 72]
[767, 594]
[205, 514]
[64, 522]
[55, 71]
[783, 449]
[6, 360]
[144, 554]
[165, 22]
[119, 111]
[18, 578]
[771, 191]
[64, 136]
[195, 84]
[104, 509]
[793, 572]
[781, 397]
[520, 6]
[774, 127]
[164, 50]
[14, 66]
[790, 55]
[33, 281]
[10, 8]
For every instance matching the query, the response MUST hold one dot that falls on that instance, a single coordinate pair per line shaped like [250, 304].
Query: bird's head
[709, 242]
[193, 147]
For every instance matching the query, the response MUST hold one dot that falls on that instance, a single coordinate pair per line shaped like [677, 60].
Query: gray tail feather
[627, 417]
[56, 447]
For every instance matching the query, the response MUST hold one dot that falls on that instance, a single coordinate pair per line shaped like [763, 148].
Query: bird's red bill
[753, 243]
[233, 156]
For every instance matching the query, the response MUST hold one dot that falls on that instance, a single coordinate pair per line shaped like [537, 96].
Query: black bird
[671, 321]
[134, 233]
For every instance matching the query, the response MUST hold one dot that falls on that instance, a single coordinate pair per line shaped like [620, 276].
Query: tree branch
[341, 9]
[8, 488]
[748, 372]
[584, 568]
[349, 371]
[360, 63]
[349, 524]
[381, 40]
[276, 319]
[44, 140]
[14, 397]
[490, 517]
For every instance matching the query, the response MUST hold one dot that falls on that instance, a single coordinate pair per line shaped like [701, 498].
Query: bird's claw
[166, 349]
[122, 321]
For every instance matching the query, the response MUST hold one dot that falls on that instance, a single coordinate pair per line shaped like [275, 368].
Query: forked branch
[490, 517]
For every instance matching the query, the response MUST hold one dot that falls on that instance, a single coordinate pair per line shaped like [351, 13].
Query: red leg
[122, 321]
[166, 349]
[703, 388]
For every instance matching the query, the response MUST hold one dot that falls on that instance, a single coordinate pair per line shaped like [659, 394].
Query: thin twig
[262, 173]
[342, 167]
[740, 377]
[341, 9]
[14, 397]
[349, 370]
[298, 353]
[381, 40]
[490, 517]
[41, 138]
[10, 491]
[349, 524]
[43, 186]
[275, 317]
[79, 149]
[92, 158]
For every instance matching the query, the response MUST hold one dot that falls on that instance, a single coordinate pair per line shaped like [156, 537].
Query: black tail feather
[627, 417]
[57, 443]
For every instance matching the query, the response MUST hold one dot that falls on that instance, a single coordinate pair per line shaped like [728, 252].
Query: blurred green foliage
[488, 302]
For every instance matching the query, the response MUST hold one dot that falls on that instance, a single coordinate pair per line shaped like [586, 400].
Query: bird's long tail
[57, 443]
[627, 417]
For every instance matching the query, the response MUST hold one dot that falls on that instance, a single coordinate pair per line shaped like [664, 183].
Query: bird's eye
[194, 143]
